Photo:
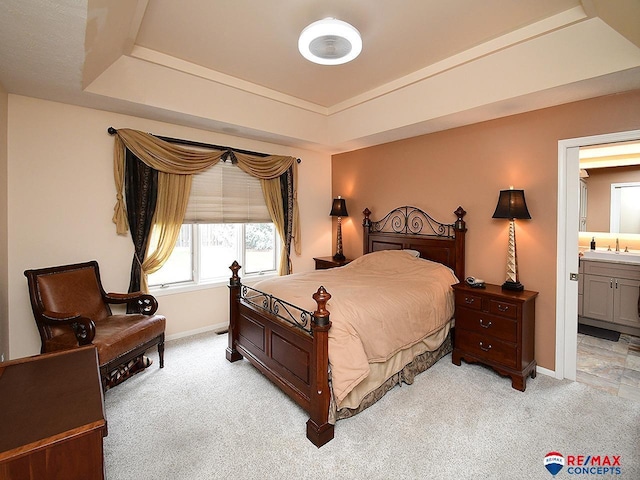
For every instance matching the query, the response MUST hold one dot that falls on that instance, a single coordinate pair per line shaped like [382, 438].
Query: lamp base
[339, 257]
[515, 286]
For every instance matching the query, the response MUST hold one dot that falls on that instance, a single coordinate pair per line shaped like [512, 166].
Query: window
[226, 220]
[204, 252]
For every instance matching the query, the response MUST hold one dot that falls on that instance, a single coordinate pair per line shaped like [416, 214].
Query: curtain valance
[176, 164]
[178, 160]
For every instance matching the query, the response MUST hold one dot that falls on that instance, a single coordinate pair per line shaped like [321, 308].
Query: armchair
[72, 309]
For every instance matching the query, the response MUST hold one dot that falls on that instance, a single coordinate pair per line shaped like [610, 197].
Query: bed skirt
[407, 375]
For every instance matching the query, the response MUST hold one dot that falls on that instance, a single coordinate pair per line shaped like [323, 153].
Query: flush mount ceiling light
[330, 42]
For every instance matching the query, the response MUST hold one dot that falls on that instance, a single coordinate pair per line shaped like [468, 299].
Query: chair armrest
[83, 328]
[145, 303]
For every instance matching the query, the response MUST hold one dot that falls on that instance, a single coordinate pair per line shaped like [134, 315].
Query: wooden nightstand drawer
[468, 300]
[487, 324]
[487, 348]
[500, 307]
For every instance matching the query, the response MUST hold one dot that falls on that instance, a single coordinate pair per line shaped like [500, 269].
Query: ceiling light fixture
[330, 42]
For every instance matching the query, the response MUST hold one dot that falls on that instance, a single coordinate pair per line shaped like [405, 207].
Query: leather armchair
[72, 309]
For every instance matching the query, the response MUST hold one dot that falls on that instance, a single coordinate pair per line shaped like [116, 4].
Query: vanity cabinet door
[598, 297]
[626, 302]
[610, 296]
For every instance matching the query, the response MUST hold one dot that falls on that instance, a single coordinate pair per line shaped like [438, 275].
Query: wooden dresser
[322, 263]
[496, 327]
[52, 418]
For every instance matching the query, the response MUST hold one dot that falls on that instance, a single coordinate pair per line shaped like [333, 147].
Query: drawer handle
[469, 300]
[503, 308]
[485, 325]
[483, 348]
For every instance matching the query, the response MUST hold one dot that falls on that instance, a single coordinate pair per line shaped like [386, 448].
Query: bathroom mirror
[610, 189]
[625, 207]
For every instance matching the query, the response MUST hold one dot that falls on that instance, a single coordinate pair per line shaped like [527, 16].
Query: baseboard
[546, 371]
[218, 327]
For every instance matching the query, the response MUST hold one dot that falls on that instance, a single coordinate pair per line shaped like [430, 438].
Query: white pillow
[415, 253]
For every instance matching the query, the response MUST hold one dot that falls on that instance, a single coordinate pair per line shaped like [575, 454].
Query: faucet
[617, 246]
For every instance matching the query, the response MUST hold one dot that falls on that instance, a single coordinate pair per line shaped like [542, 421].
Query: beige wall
[468, 166]
[4, 309]
[61, 196]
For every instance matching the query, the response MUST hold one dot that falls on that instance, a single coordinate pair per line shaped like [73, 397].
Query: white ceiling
[259, 39]
[93, 52]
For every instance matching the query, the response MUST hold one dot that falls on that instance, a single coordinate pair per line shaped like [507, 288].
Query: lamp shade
[339, 208]
[512, 204]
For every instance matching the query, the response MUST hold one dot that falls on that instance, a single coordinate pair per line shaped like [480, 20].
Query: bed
[284, 327]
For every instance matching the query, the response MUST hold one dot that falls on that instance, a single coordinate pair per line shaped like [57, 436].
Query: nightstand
[322, 263]
[496, 327]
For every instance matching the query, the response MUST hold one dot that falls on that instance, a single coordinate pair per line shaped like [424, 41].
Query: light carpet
[201, 417]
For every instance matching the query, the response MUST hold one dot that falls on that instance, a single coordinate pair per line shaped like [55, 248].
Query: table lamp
[512, 205]
[339, 209]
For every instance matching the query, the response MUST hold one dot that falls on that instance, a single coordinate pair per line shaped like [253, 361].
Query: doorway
[567, 246]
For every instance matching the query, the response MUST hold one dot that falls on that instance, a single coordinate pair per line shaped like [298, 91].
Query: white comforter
[381, 303]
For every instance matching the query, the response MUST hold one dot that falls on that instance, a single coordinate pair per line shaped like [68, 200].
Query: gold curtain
[273, 198]
[269, 169]
[167, 221]
[175, 165]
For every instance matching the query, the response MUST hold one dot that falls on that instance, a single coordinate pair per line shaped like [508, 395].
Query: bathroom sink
[612, 256]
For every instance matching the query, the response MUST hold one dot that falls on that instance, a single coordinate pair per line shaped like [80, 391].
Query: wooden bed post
[366, 223]
[234, 293]
[319, 430]
[461, 229]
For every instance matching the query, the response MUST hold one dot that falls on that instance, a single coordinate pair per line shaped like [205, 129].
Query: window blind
[226, 194]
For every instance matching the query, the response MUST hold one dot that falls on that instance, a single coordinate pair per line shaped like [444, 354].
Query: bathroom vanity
[608, 291]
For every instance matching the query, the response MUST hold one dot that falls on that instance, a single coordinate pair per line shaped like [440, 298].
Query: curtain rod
[191, 143]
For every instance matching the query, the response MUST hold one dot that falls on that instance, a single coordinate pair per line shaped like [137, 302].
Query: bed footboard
[288, 345]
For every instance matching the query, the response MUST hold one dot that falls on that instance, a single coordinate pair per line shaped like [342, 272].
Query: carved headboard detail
[412, 228]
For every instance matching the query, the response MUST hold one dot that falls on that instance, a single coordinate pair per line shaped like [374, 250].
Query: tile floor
[610, 366]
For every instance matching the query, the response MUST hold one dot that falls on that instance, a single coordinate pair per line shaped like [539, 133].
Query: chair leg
[161, 354]
[104, 378]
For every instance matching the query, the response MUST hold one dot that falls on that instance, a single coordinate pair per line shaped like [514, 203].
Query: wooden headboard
[411, 228]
